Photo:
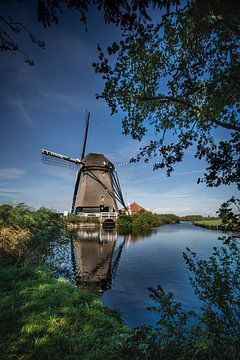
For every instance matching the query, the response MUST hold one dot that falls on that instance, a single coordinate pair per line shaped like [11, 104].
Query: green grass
[45, 318]
[210, 224]
[215, 222]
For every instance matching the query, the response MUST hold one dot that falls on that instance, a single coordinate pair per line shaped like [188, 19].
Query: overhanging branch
[180, 101]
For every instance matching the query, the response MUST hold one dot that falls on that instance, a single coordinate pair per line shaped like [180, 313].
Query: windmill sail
[76, 187]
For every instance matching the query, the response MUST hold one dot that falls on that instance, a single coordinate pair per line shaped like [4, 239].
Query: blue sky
[43, 107]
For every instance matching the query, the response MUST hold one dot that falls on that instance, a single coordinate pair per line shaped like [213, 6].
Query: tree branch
[188, 104]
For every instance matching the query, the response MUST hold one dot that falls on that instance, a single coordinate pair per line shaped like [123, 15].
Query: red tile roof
[134, 207]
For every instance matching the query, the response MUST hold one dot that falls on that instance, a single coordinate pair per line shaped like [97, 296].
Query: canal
[122, 267]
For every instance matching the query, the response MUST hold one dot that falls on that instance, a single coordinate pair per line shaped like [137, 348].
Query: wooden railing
[101, 215]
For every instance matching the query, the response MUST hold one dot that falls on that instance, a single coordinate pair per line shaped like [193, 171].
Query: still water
[122, 268]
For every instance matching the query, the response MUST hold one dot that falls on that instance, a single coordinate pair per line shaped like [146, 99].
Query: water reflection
[136, 235]
[96, 254]
[123, 266]
[93, 258]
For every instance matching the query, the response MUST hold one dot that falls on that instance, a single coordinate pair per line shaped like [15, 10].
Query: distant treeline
[196, 218]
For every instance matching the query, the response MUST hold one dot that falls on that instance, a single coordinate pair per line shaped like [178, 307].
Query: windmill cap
[94, 159]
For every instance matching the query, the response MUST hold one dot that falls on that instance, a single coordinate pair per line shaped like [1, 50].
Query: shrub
[144, 219]
[24, 231]
[75, 219]
[14, 243]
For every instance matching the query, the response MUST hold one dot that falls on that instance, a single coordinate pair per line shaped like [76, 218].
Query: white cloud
[11, 173]
[23, 111]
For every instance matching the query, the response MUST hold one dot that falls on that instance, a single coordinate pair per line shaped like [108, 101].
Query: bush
[168, 218]
[144, 220]
[24, 231]
[14, 243]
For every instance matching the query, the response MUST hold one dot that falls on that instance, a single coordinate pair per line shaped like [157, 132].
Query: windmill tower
[96, 185]
[97, 188]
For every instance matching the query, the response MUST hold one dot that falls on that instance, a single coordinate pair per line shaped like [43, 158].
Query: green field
[210, 224]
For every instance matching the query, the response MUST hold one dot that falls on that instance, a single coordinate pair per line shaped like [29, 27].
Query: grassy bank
[43, 317]
[215, 224]
[46, 318]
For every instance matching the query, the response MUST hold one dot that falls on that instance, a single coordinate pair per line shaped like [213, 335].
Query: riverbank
[143, 221]
[213, 224]
[46, 318]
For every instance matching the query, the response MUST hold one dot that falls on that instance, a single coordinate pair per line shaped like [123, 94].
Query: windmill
[97, 188]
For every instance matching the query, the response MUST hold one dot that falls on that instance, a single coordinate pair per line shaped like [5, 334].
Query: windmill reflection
[95, 257]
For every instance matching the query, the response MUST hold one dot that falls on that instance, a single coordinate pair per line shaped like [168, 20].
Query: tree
[181, 77]
[48, 13]
[9, 29]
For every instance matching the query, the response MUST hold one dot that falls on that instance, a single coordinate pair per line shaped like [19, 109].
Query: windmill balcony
[101, 215]
[106, 219]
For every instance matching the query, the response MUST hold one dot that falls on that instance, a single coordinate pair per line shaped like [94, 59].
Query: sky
[43, 107]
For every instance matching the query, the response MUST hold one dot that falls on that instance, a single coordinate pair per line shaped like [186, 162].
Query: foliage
[168, 218]
[120, 12]
[10, 30]
[125, 221]
[230, 212]
[180, 77]
[24, 231]
[14, 243]
[48, 12]
[212, 333]
[144, 220]
[191, 217]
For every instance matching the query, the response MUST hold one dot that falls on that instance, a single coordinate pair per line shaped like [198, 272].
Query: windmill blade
[85, 134]
[55, 159]
[58, 162]
[75, 192]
